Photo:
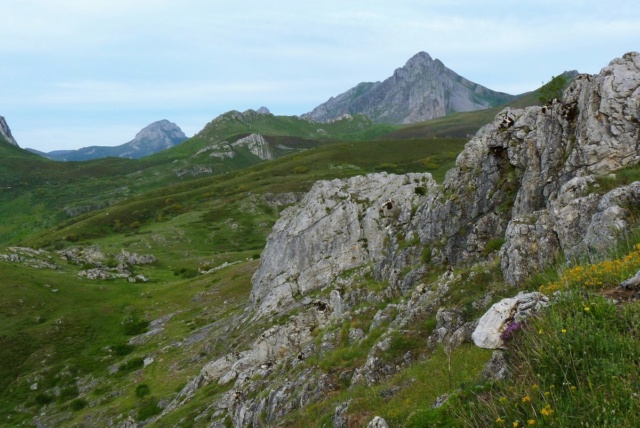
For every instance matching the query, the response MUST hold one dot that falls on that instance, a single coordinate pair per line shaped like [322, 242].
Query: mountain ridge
[153, 138]
[422, 89]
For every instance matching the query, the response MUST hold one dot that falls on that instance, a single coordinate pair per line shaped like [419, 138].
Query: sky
[77, 73]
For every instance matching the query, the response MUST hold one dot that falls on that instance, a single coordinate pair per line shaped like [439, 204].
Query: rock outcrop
[5, 132]
[421, 90]
[254, 143]
[338, 226]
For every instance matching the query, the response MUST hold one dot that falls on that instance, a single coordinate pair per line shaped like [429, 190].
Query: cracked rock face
[338, 226]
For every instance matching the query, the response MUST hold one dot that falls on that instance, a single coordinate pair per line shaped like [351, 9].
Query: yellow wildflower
[516, 424]
[531, 422]
[499, 420]
[564, 330]
[526, 399]
[587, 308]
[547, 410]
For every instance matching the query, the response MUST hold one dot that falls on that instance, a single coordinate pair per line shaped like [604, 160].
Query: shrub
[122, 349]
[133, 364]
[133, 326]
[43, 399]
[148, 408]
[142, 390]
[493, 245]
[78, 404]
[552, 89]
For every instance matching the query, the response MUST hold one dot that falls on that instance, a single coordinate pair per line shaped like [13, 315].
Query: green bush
[133, 326]
[122, 349]
[552, 89]
[133, 364]
[43, 399]
[78, 404]
[148, 408]
[142, 390]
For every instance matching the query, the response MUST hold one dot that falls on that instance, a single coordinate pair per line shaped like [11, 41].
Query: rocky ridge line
[421, 90]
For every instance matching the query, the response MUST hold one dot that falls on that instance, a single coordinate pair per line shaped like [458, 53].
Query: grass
[402, 397]
[574, 363]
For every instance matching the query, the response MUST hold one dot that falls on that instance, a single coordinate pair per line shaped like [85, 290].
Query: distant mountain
[5, 132]
[154, 138]
[423, 89]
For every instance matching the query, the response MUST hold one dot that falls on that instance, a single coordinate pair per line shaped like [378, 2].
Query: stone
[632, 283]
[378, 422]
[497, 368]
[491, 326]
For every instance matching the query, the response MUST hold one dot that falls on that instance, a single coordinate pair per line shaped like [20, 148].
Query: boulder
[490, 332]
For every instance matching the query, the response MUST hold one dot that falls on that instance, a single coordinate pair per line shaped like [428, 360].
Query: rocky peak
[151, 139]
[422, 89]
[160, 128]
[263, 110]
[5, 132]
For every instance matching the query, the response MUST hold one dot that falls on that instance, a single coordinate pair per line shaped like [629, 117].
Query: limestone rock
[338, 226]
[497, 367]
[489, 333]
[257, 145]
[378, 422]
[632, 283]
[5, 132]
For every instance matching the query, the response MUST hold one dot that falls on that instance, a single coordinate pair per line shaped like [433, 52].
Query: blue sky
[77, 73]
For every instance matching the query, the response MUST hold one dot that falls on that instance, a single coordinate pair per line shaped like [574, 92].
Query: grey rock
[489, 332]
[378, 422]
[632, 283]
[257, 145]
[5, 132]
[338, 226]
[421, 90]
[497, 368]
[340, 419]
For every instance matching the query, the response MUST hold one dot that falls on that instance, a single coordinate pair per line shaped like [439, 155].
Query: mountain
[5, 132]
[421, 90]
[153, 138]
[345, 285]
